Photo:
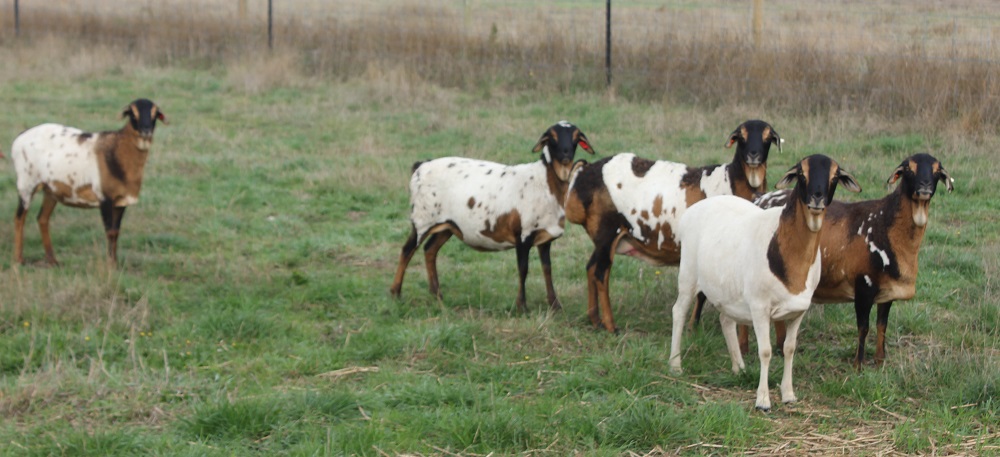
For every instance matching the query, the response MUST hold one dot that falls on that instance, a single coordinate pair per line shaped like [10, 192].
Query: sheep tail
[416, 165]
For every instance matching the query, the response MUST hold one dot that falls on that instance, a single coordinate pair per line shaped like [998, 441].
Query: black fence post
[17, 18]
[270, 25]
[607, 44]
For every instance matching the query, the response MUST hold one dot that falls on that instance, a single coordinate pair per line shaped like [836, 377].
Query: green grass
[258, 261]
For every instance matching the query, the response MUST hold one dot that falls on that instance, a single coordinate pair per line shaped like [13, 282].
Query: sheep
[869, 248]
[629, 205]
[493, 207]
[757, 266]
[83, 170]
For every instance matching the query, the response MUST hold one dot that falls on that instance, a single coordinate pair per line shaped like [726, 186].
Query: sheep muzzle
[814, 218]
[756, 173]
[921, 209]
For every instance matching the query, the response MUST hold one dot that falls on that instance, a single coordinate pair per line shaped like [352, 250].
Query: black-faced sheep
[778, 268]
[493, 207]
[84, 170]
[629, 205]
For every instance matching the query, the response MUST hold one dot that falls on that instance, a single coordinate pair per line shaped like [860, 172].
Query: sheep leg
[112, 216]
[550, 290]
[409, 248]
[19, 218]
[686, 290]
[44, 214]
[881, 322]
[434, 243]
[729, 332]
[762, 327]
[522, 250]
[699, 306]
[779, 334]
[788, 345]
[598, 275]
[864, 298]
[743, 332]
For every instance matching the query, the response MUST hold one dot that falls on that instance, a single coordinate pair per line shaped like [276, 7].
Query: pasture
[250, 314]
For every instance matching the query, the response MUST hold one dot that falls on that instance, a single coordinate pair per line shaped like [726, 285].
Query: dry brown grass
[933, 65]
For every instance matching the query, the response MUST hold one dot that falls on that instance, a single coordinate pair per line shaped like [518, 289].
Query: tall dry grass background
[933, 63]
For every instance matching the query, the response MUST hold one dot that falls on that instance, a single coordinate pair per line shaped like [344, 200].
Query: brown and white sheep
[493, 207]
[630, 205]
[869, 248]
[83, 170]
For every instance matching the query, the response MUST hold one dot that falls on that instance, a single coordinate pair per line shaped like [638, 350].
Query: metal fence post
[607, 44]
[17, 18]
[270, 25]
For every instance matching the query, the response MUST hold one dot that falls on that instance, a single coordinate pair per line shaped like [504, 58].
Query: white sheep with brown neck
[757, 266]
[83, 170]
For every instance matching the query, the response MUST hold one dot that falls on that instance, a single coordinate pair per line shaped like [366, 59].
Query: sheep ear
[848, 181]
[943, 175]
[776, 139]
[130, 111]
[733, 137]
[896, 174]
[584, 143]
[789, 179]
[159, 115]
[541, 142]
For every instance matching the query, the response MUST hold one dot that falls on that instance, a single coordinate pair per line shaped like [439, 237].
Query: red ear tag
[584, 145]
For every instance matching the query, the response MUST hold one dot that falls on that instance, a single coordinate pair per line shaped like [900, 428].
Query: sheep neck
[740, 183]
[905, 237]
[557, 187]
[122, 164]
[793, 248]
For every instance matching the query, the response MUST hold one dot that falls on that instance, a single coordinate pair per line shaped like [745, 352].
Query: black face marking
[924, 180]
[755, 147]
[143, 108]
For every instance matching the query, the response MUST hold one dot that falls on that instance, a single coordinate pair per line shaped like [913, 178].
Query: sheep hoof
[765, 409]
[555, 305]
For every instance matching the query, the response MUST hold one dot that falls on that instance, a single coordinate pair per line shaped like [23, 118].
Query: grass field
[250, 314]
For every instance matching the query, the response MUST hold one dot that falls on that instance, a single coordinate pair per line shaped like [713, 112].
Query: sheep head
[142, 115]
[921, 174]
[815, 179]
[558, 146]
[753, 139]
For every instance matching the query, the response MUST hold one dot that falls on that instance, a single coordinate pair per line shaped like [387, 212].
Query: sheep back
[492, 205]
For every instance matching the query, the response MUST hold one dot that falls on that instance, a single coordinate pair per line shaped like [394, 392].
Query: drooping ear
[583, 142]
[943, 176]
[790, 178]
[130, 111]
[541, 142]
[847, 180]
[159, 115]
[734, 137]
[776, 139]
[896, 174]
